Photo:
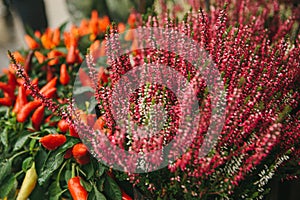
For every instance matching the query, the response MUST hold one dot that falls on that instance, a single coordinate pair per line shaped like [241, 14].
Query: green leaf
[4, 109]
[82, 90]
[51, 165]
[39, 193]
[55, 191]
[100, 184]
[68, 175]
[98, 195]
[27, 163]
[100, 169]
[8, 185]
[12, 193]
[5, 168]
[92, 196]
[21, 141]
[86, 185]
[63, 27]
[111, 189]
[29, 31]
[50, 130]
[40, 159]
[88, 170]
[4, 137]
[93, 103]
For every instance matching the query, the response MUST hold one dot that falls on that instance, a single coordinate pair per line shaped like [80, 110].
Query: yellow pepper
[28, 184]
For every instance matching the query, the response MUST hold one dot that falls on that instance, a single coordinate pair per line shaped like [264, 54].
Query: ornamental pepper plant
[59, 106]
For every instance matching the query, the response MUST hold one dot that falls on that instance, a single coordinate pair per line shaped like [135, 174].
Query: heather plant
[254, 47]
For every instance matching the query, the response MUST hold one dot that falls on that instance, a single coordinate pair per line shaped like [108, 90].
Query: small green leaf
[88, 170]
[50, 130]
[8, 185]
[21, 141]
[82, 90]
[40, 159]
[39, 193]
[5, 168]
[63, 27]
[100, 184]
[86, 185]
[12, 193]
[92, 196]
[111, 189]
[55, 191]
[100, 169]
[98, 195]
[27, 163]
[4, 137]
[68, 175]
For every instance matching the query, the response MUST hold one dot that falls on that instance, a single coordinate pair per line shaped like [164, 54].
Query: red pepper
[33, 82]
[12, 80]
[21, 99]
[68, 154]
[53, 141]
[71, 56]
[64, 76]
[81, 154]
[84, 78]
[26, 110]
[28, 61]
[49, 74]
[50, 93]
[78, 192]
[63, 125]
[125, 196]
[38, 117]
[5, 101]
[99, 124]
[49, 85]
[103, 77]
[7, 89]
[73, 132]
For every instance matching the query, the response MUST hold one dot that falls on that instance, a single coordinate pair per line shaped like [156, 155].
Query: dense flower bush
[255, 47]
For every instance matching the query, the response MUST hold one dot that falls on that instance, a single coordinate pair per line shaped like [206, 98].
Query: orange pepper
[56, 37]
[19, 57]
[40, 57]
[104, 22]
[131, 20]
[31, 43]
[46, 39]
[54, 55]
[121, 27]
